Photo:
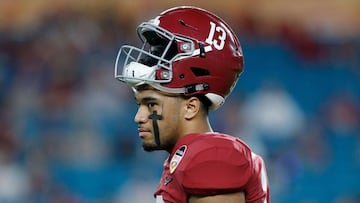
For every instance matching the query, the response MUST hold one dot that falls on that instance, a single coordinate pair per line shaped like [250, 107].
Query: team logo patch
[175, 160]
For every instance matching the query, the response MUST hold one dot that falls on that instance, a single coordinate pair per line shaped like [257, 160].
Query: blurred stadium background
[66, 126]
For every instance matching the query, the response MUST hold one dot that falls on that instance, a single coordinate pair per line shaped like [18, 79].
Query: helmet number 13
[220, 41]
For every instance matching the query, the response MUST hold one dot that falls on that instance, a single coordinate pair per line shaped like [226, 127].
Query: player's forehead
[148, 93]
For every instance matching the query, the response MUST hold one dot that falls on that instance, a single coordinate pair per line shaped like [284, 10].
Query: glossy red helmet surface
[186, 50]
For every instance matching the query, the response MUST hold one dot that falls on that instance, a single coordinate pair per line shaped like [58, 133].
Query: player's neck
[193, 127]
[197, 126]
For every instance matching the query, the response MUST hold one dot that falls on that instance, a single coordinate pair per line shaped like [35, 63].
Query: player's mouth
[143, 132]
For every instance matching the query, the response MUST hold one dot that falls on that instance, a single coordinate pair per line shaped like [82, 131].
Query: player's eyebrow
[146, 99]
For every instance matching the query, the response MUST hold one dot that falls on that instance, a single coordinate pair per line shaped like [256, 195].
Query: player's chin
[149, 147]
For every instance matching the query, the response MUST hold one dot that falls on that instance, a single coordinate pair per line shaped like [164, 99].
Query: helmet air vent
[199, 72]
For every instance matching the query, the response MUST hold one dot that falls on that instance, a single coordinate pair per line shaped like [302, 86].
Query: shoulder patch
[175, 160]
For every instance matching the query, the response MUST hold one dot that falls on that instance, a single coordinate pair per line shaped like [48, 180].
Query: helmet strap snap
[189, 89]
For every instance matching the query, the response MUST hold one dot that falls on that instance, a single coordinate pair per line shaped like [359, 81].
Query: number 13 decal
[220, 41]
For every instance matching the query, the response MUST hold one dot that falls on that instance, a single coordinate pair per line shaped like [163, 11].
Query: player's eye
[151, 104]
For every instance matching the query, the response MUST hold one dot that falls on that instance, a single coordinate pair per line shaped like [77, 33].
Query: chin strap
[154, 117]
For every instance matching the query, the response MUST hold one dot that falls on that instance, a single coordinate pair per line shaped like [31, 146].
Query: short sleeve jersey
[211, 164]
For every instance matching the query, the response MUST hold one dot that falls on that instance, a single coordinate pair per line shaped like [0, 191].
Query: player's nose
[140, 116]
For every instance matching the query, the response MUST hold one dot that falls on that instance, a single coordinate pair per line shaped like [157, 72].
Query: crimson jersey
[210, 164]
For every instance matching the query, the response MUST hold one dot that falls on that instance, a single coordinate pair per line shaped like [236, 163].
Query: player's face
[155, 108]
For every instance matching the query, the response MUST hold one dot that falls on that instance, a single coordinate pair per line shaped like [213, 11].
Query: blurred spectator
[341, 113]
[15, 183]
[272, 113]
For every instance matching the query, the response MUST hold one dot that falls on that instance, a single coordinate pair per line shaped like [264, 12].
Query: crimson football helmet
[186, 50]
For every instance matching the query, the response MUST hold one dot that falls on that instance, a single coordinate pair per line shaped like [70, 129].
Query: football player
[188, 64]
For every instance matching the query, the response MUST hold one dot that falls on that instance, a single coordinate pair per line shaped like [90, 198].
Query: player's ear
[192, 107]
